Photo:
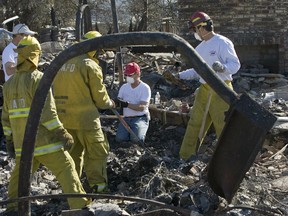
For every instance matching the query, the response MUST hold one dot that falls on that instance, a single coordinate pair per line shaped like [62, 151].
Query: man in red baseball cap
[134, 97]
[131, 68]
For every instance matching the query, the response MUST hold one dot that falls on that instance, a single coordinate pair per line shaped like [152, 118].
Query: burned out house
[258, 29]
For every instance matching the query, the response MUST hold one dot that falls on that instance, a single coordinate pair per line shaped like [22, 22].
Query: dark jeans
[139, 125]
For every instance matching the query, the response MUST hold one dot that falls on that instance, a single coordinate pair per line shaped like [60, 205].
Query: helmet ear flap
[209, 26]
[209, 22]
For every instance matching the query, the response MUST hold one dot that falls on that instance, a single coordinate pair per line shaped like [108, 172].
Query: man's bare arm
[10, 68]
[138, 107]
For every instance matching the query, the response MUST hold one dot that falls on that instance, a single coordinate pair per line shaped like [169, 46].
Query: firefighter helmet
[197, 18]
[91, 34]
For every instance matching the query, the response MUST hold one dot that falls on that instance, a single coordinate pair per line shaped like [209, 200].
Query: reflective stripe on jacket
[42, 150]
[18, 92]
[19, 113]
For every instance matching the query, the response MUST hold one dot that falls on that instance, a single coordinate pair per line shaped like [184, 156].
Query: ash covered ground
[155, 172]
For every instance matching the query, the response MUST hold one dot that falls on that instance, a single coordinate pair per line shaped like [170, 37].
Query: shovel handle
[127, 127]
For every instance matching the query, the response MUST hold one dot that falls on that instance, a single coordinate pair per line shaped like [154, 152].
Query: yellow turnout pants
[215, 115]
[90, 150]
[62, 166]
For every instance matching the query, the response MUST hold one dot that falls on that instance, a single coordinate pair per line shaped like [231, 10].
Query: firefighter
[51, 139]
[219, 53]
[79, 92]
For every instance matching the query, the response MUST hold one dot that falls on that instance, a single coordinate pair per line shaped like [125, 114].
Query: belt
[135, 116]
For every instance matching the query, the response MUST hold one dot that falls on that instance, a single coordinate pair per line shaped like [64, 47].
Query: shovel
[200, 135]
[127, 127]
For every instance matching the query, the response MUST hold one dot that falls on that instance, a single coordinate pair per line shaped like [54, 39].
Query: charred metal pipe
[185, 212]
[83, 21]
[105, 42]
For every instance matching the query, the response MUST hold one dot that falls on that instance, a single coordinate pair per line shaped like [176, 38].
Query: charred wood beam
[118, 53]
[169, 117]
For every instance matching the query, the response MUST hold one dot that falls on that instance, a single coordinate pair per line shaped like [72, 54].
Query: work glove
[169, 76]
[218, 67]
[120, 103]
[174, 79]
[10, 147]
[63, 135]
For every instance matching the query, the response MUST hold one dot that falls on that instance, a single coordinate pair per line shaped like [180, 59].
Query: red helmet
[197, 18]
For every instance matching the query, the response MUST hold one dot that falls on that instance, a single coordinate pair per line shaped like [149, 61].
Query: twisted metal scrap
[183, 211]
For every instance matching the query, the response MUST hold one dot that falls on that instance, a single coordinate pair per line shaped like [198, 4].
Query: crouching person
[51, 140]
[134, 99]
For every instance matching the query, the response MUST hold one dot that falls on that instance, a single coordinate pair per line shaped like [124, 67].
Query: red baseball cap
[131, 68]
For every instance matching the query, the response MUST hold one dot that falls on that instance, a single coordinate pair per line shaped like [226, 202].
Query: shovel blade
[242, 138]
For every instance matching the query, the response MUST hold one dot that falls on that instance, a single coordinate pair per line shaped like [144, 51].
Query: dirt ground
[160, 175]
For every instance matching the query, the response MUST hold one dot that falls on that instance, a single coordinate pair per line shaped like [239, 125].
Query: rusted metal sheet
[238, 145]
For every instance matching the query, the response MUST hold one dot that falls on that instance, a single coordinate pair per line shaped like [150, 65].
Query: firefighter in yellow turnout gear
[208, 108]
[51, 138]
[79, 92]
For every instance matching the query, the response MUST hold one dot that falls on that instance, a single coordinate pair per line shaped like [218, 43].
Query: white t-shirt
[218, 48]
[135, 95]
[9, 55]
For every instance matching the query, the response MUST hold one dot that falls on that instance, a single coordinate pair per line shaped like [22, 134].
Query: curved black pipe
[104, 42]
